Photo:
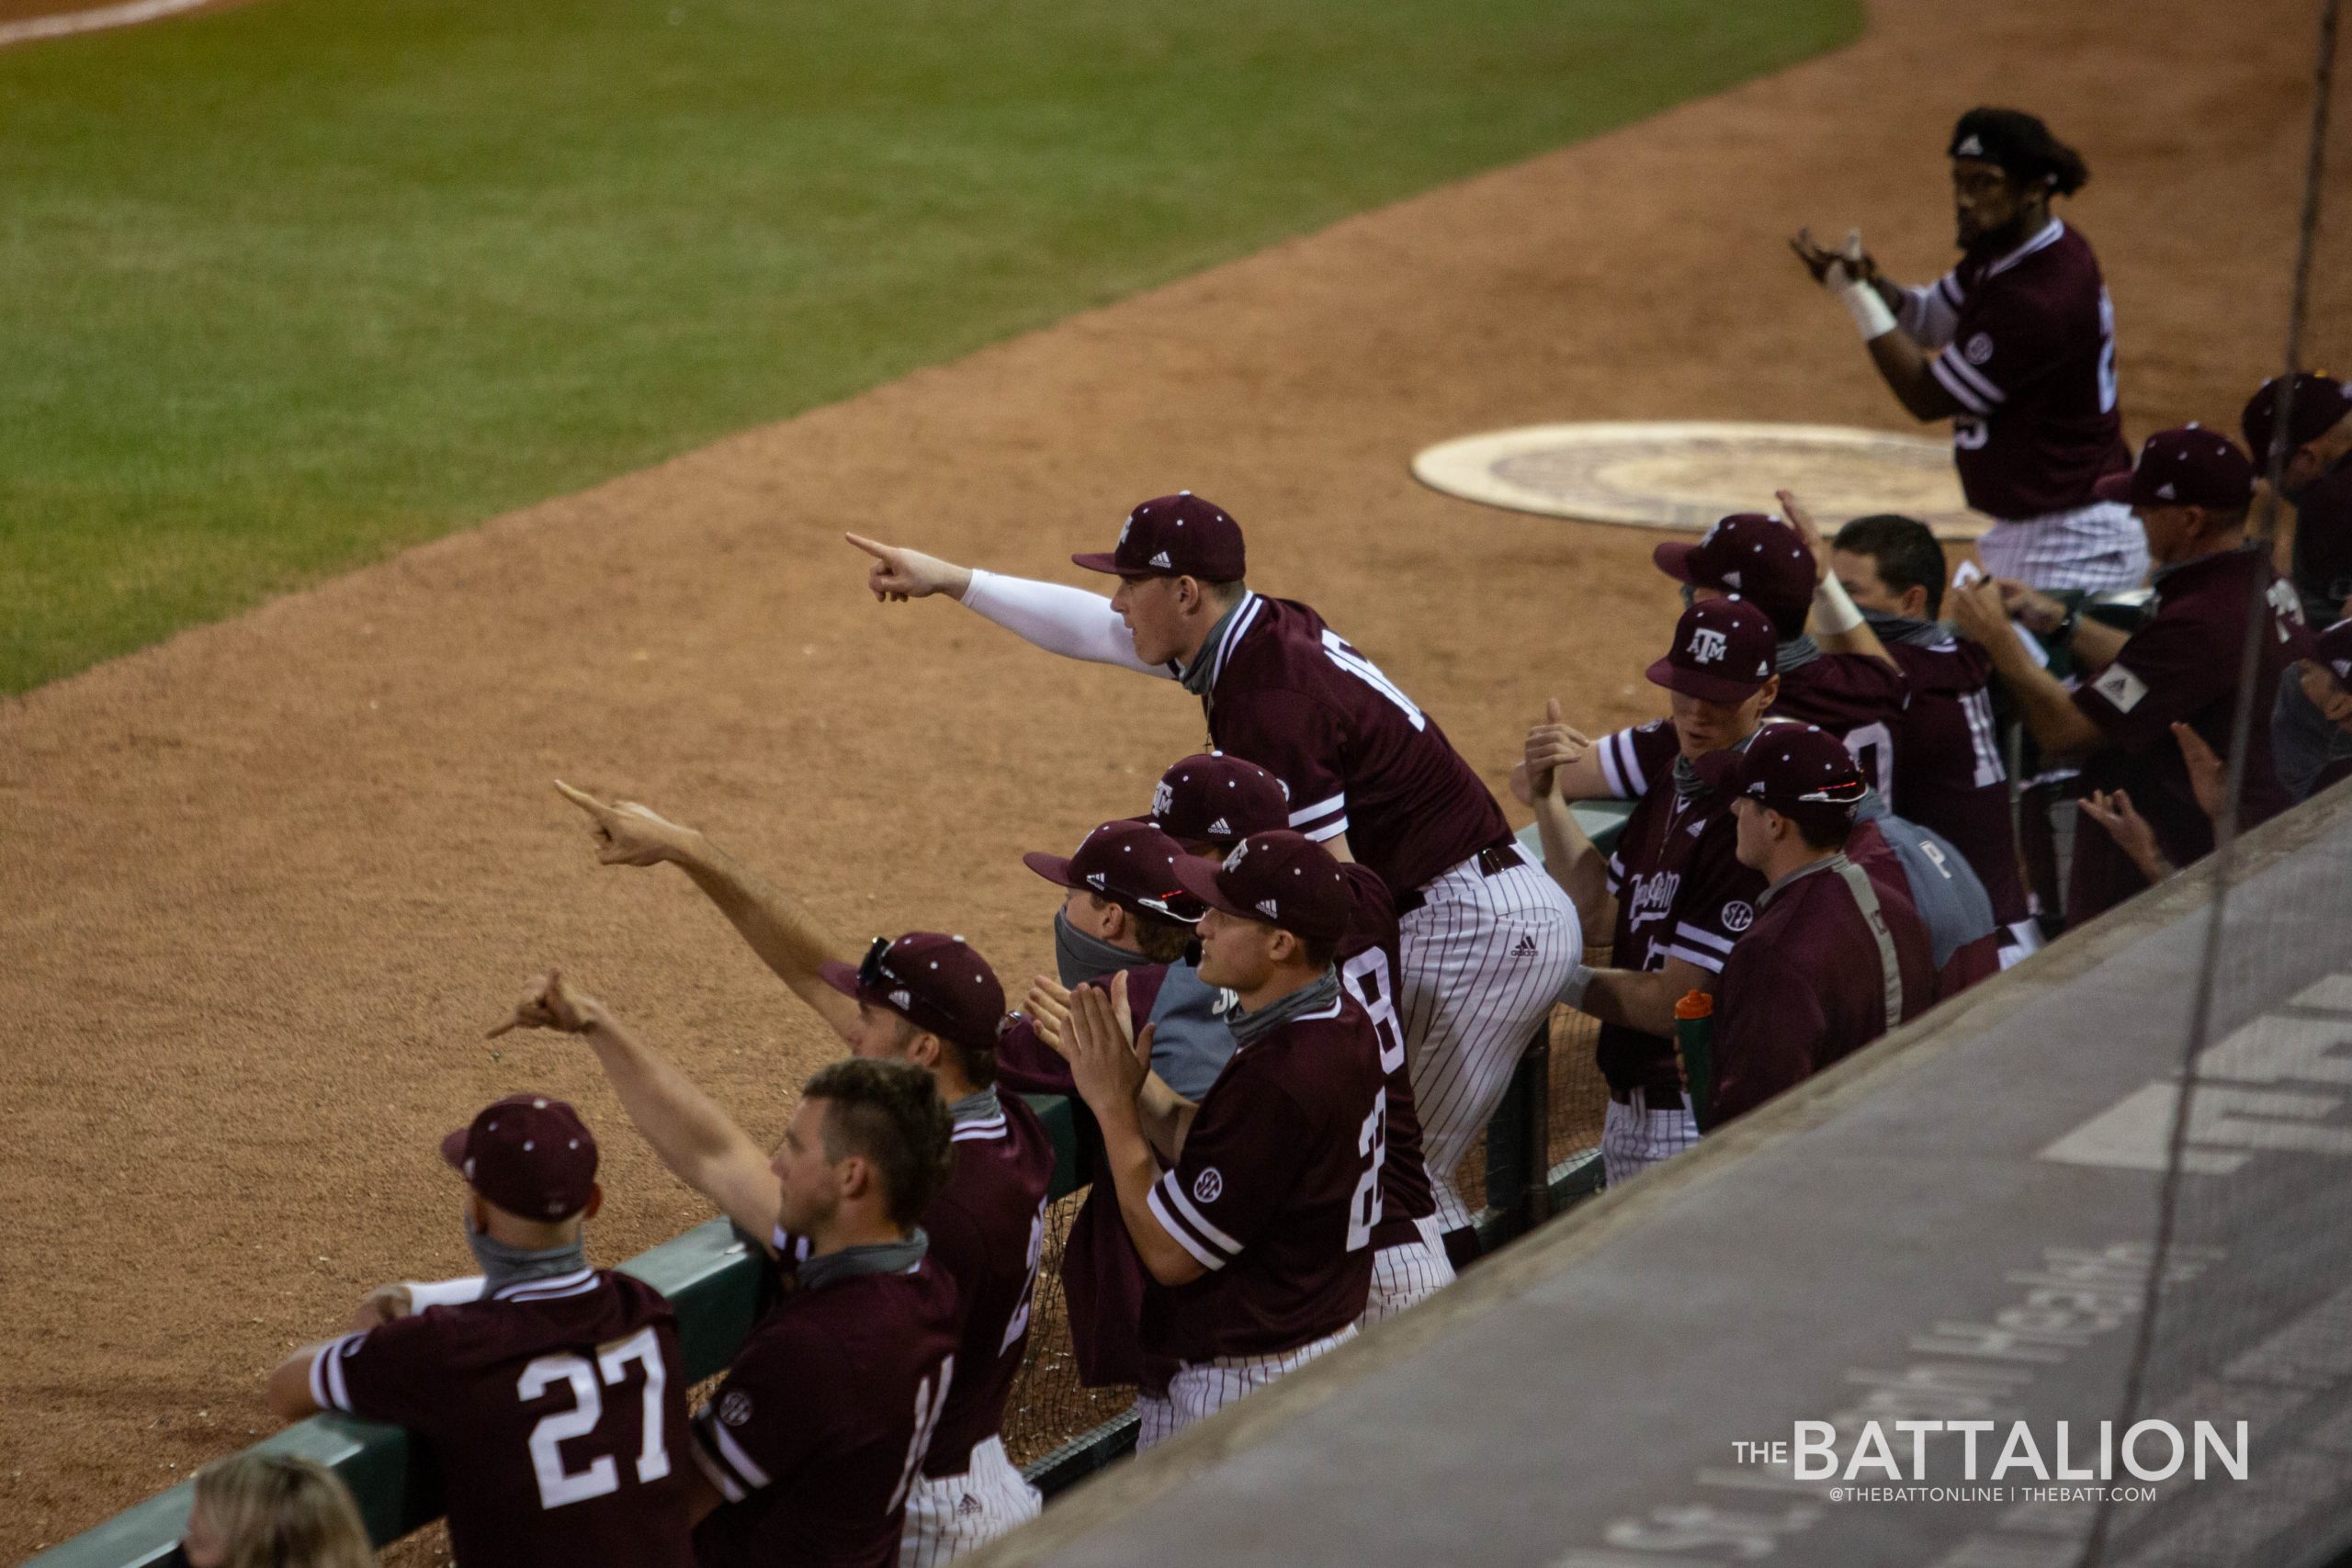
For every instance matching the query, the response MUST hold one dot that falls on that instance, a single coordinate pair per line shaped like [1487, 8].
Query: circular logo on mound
[1690, 475]
[1209, 1186]
[1737, 915]
[735, 1407]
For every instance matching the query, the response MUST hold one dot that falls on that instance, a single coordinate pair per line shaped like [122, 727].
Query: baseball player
[2016, 346]
[1673, 892]
[1835, 957]
[1210, 803]
[1257, 1235]
[2318, 480]
[1949, 771]
[555, 1405]
[1858, 696]
[927, 999]
[2191, 489]
[2311, 726]
[1486, 937]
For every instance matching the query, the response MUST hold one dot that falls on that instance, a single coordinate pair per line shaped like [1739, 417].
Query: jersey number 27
[559, 1486]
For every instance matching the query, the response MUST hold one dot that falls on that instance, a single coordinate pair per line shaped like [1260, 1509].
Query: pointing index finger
[579, 797]
[878, 551]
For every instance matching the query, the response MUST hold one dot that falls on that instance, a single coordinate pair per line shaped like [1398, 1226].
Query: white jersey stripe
[1175, 1227]
[1976, 379]
[713, 1468]
[733, 1451]
[1692, 933]
[1713, 962]
[1320, 808]
[1330, 829]
[1621, 769]
[1199, 1221]
[1964, 394]
[1242, 622]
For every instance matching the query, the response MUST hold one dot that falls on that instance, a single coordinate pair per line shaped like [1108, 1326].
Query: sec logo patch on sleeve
[1209, 1186]
[1738, 916]
[2121, 688]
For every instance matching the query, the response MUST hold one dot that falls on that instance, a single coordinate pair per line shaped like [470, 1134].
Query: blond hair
[278, 1511]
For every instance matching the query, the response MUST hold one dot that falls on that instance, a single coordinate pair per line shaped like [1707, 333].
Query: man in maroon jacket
[928, 1000]
[556, 1403]
[2191, 490]
[1835, 957]
[1255, 1212]
[1487, 939]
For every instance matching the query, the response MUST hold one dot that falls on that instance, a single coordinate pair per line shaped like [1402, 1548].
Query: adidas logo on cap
[1162, 561]
[1221, 827]
[2164, 491]
[1970, 148]
[1095, 879]
[1266, 907]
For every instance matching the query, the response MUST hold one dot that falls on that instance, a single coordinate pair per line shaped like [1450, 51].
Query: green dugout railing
[712, 1280]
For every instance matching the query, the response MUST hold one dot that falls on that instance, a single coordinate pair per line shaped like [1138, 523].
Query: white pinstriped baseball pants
[1484, 956]
[954, 1516]
[1201, 1389]
[1407, 1274]
[1635, 1137]
[2100, 547]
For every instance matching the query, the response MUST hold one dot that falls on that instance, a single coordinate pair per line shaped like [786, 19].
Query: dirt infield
[267, 884]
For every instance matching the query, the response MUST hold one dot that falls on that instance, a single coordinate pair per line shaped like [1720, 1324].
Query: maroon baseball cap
[1723, 652]
[1798, 770]
[1280, 879]
[935, 981]
[1132, 863]
[2334, 650]
[2319, 402]
[1211, 798]
[529, 1154]
[1760, 559]
[1174, 535]
[2190, 466]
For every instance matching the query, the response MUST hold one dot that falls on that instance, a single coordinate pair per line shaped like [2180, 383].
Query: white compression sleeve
[1067, 621]
[422, 1293]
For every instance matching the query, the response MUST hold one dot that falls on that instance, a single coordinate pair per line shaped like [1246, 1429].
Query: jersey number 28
[559, 1486]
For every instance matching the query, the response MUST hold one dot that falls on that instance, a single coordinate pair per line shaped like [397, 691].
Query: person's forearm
[1903, 364]
[1643, 1000]
[1067, 621]
[699, 1143]
[788, 938]
[1839, 626]
[2057, 726]
[2095, 644]
[1570, 858]
[1165, 1117]
[1132, 1169]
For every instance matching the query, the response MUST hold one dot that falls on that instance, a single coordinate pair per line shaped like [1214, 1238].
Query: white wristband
[422, 1293]
[1871, 317]
[1572, 989]
[1833, 607]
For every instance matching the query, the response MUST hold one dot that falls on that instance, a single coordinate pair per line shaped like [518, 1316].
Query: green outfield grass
[292, 285]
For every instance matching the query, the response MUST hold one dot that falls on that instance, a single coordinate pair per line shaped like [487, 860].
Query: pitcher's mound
[1688, 475]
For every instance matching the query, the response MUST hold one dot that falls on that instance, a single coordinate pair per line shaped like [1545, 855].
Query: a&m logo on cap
[1240, 851]
[1708, 646]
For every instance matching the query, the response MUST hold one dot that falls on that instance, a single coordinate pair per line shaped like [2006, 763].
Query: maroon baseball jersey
[557, 1412]
[1287, 692]
[2031, 361]
[1681, 893]
[2324, 544]
[1858, 699]
[1806, 985]
[988, 1232]
[1277, 1193]
[2182, 665]
[818, 1430]
[1369, 965]
[1948, 768]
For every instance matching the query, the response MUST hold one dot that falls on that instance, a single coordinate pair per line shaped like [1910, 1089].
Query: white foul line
[94, 20]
